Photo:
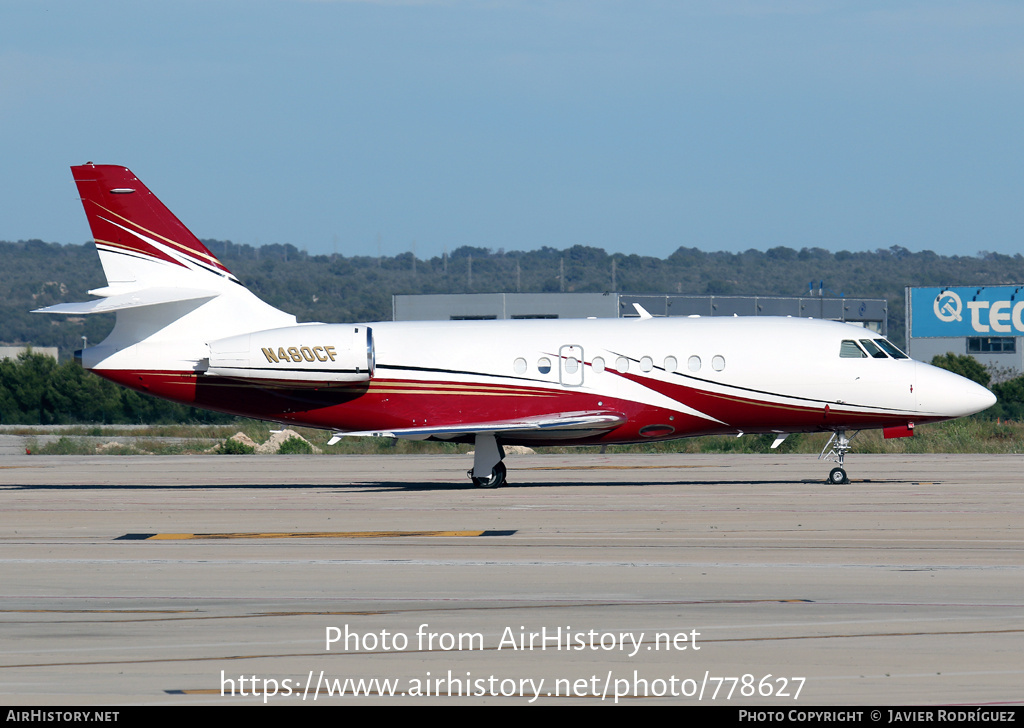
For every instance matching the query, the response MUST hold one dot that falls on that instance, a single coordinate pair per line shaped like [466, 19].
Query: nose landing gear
[838, 477]
[840, 445]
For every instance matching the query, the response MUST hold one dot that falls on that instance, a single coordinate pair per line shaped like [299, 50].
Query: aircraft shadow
[401, 486]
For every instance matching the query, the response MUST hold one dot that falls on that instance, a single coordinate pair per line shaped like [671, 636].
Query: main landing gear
[840, 445]
[488, 470]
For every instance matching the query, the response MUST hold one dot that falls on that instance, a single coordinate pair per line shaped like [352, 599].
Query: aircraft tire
[838, 477]
[496, 480]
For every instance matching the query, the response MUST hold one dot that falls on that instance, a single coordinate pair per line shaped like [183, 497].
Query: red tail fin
[126, 218]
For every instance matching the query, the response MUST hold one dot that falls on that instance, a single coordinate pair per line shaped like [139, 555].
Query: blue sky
[637, 127]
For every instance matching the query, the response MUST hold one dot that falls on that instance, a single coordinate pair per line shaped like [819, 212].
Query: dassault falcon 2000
[188, 331]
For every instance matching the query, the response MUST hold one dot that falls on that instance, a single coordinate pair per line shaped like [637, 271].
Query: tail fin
[171, 295]
[133, 230]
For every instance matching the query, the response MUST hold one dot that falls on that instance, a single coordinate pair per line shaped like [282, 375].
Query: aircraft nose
[948, 394]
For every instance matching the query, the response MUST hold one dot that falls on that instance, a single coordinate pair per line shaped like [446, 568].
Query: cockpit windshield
[872, 350]
[890, 349]
[875, 348]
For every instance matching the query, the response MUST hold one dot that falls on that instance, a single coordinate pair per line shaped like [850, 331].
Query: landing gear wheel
[496, 480]
[840, 445]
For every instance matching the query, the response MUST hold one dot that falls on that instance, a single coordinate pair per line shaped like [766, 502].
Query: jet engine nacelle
[308, 354]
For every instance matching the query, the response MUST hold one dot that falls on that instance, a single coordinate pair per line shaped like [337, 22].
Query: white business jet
[187, 330]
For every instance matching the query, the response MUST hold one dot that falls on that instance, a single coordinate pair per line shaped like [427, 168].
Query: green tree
[964, 365]
[34, 389]
[1009, 400]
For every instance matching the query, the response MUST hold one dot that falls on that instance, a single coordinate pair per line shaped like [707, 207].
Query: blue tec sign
[961, 311]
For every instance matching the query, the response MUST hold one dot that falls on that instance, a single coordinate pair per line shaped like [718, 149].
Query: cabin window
[598, 364]
[519, 366]
[646, 364]
[718, 363]
[849, 350]
[544, 365]
[693, 364]
[890, 349]
[622, 364]
[572, 364]
[671, 364]
[873, 350]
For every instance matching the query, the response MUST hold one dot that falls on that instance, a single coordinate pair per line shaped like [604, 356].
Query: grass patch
[295, 446]
[64, 446]
[234, 447]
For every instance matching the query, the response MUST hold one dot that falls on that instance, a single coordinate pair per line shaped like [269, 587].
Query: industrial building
[13, 352]
[868, 312]
[986, 322]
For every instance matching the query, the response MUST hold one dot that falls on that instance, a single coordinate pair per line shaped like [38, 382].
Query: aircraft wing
[563, 423]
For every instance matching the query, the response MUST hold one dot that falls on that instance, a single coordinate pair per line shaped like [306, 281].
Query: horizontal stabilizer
[561, 423]
[134, 299]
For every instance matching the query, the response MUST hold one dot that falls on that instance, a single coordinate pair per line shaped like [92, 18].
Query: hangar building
[13, 352]
[868, 312]
[986, 322]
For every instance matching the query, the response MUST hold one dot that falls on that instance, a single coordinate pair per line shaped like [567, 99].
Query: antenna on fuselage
[642, 311]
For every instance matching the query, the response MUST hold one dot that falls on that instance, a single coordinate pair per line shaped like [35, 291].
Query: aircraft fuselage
[665, 377]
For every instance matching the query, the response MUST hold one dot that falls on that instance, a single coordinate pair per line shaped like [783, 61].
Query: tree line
[339, 288]
[36, 390]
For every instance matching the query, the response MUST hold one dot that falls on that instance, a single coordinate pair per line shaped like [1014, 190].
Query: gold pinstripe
[184, 248]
